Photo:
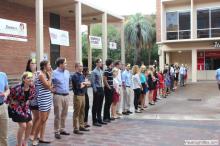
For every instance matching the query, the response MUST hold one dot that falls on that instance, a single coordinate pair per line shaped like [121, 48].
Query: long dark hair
[43, 64]
[28, 66]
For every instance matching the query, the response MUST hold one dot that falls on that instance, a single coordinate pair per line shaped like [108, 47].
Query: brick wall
[158, 20]
[14, 54]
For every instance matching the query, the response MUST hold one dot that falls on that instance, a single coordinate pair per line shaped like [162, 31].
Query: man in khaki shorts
[4, 92]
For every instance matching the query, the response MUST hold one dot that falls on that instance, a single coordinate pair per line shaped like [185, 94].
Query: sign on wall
[13, 30]
[95, 42]
[217, 44]
[112, 45]
[59, 37]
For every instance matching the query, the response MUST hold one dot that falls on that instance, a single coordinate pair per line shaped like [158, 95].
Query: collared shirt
[182, 70]
[96, 79]
[60, 79]
[136, 81]
[126, 78]
[77, 79]
[3, 85]
[108, 74]
[172, 71]
[218, 74]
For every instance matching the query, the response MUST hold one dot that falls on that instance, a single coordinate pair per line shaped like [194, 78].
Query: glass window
[203, 33]
[184, 35]
[203, 19]
[184, 21]
[171, 21]
[215, 32]
[215, 18]
[172, 35]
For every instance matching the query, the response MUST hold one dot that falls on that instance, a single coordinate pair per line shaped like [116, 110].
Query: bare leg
[27, 132]
[35, 121]
[20, 133]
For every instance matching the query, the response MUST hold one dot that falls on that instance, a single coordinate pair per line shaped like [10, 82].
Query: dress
[44, 97]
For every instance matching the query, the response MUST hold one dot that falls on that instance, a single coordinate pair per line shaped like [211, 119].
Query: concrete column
[104, 37]
[89, 51]
[192, 24]
[78, 15]
[39, 31]
[167, 57]
[194, 65]
[122, 43]
[161, 58]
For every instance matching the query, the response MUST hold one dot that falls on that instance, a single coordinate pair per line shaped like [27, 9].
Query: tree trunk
[149, 56]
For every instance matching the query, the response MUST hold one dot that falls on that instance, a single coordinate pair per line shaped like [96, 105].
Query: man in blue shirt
[126, 85]
[79, 89]
[4, 92]
[60, 79]
[218, 77]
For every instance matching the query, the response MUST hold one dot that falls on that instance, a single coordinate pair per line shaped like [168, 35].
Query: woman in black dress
[19, 110]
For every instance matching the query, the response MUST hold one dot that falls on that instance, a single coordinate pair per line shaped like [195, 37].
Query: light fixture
[179, 51]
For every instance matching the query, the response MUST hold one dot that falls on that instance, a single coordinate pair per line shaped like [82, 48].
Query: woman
[176, 78]
[32, 68]
[136, 87]
[44, 99]
[144, 86]
[86, 73]
[151, 86]
[116, 93]
[18, 107]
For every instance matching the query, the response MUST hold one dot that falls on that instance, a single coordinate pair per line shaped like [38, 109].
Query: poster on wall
[112, 45]
[13, 30]
[95, 42]
[59, 37]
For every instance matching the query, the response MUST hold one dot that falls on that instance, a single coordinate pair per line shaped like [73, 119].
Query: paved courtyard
[191, 113]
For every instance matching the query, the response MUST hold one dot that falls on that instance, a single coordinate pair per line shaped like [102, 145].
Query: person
[182, 73]
[44, 100]
[136, 84]
[60, 80]
[167, 81]
[18, 107]
[118, 65]
[126, 85]
[176, 79]
[31, 67]
[172, 77]
[108, 89]
[218, 77]
[161, 84]
[151, 85]
[144, 86]
[116, 93]
[4, 92]
[79, 89]
[98, 94]
[86, 74]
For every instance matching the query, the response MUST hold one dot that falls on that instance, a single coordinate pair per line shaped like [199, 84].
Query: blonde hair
[135, 69]
[143, 68]
[25, 75]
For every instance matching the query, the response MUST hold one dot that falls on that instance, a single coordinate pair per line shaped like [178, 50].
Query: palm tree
[139, 34]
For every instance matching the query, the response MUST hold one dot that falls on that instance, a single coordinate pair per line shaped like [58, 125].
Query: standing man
[126, 85]
[182, 73]
[119, 66]
[218, 77]
[98, 94]
[108, 88]
[79, 89]
[4, 92]
[172, 77]
[60, 79]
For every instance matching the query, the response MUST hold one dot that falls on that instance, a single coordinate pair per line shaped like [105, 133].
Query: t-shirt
[3, 84]
[109, 75]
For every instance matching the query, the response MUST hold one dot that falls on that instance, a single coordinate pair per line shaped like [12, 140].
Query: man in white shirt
[182, 73]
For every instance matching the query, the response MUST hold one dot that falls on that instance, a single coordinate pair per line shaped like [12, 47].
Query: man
[119, 105]
[182, 73]
[108, 89]
[98, 94]
[60, 79]
[126, 85]
[79, 89]
[4, 92]
[218, 77]
[172, 76]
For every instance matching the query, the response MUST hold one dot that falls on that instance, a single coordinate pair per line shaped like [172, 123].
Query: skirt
[115, 97]
[19, 118]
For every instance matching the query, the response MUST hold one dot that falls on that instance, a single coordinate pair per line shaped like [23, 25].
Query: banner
[13, 30]
[95, 42]
[59, 37]
[112, 45]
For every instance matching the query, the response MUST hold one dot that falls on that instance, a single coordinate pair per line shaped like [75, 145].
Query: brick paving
[143, 130]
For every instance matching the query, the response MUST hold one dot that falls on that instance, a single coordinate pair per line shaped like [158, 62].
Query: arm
[93, 81]
[46, 84]
[105, 82]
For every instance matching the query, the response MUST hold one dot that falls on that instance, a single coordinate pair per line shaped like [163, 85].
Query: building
[35, 17]
[188, 32]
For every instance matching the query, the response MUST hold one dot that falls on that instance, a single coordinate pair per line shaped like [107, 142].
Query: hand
[2, 95]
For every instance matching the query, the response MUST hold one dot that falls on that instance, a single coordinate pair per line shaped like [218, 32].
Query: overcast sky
[126, 7]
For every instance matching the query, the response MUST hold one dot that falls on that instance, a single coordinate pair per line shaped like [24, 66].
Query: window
[178, 25]
[208, 23]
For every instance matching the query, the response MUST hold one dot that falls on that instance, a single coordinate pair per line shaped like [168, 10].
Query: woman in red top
[161, 84]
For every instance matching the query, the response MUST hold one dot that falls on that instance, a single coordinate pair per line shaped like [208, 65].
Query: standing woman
[44, 99]
[151, 87]
[136, 87]
[144, 86]
[19, 109]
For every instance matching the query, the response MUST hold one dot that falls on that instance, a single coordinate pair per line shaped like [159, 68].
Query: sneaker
[138, 111]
